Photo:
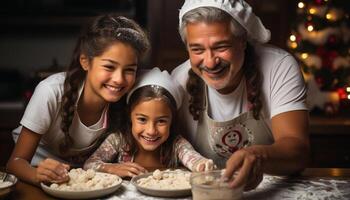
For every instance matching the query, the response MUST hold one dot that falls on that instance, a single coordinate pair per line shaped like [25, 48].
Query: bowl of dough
[84, 184]
[166, 183]
[212, 185]
[7, 183]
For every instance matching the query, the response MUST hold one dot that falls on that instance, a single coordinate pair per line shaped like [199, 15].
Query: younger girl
[69, 112]
[150, 141]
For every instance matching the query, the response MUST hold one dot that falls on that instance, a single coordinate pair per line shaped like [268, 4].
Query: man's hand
[246, 167]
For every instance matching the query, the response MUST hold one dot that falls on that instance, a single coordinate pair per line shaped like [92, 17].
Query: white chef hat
[157, 77]
[240, 10]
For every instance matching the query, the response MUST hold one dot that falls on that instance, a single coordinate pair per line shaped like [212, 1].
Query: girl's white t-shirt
[43, 116]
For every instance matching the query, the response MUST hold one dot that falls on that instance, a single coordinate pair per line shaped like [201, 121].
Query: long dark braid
[253, 80]
[74, 78]
[103, 32]
[195, 86]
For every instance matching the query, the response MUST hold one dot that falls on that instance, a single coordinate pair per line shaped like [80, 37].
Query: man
[246, 103]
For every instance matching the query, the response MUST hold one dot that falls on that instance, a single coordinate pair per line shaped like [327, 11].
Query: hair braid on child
[94, 41]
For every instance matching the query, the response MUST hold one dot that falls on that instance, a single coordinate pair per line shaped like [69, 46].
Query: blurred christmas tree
[320, 40]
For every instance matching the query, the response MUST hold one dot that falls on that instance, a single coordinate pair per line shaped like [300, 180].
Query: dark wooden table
[24, 191]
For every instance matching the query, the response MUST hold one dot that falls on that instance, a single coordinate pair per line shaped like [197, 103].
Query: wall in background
[34, 53]
[26, 48]
[34, 32]
[168, 49]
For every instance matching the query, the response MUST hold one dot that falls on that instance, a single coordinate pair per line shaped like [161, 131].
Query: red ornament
[319, 2]
[342, 93]
[308, 24]
[319, 81]
[320, 51]
[332, 40]
[298, 39]
[326, 56]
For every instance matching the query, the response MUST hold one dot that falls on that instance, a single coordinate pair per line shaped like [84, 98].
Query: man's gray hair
[209, 15]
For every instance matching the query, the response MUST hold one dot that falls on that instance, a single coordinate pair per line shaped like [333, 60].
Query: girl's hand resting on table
[50, 170]
[127, 169]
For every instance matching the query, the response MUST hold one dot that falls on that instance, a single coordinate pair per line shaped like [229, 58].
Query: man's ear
[84, 62]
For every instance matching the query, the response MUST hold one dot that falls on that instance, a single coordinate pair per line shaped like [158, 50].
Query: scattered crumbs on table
[293, 188]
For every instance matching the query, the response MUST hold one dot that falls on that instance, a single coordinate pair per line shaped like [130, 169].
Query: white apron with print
[218, 140]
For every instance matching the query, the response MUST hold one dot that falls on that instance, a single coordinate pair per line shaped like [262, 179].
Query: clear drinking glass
[212, 186]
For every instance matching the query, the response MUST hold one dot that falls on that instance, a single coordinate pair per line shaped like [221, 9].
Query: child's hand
[50, 170]
[205, 165]
[128, 169]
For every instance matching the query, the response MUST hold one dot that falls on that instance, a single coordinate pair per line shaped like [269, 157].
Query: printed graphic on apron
[226, 140]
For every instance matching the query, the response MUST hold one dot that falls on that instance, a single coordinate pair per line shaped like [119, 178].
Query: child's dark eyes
[141, 119]
[163, 121]
[130, 70]
[109, 67]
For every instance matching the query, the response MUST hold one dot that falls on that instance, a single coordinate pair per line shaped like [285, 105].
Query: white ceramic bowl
[159, 192]
[86, 194]
[4, 191]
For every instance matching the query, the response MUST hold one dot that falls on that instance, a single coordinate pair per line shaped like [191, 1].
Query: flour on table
[271, 188]
[293, 188]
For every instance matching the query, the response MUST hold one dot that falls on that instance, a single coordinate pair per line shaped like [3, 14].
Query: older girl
[69, 112]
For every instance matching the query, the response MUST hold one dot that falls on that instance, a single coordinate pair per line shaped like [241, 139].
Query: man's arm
[288, 154]
[291, 149]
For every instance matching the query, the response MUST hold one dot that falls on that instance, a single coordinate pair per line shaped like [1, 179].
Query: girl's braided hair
[103, 32]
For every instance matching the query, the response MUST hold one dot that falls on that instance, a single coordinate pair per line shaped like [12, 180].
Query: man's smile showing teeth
[216, 71]
[150, 139]
[114, 89]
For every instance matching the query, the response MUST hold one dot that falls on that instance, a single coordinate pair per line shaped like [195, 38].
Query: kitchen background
[37, 38]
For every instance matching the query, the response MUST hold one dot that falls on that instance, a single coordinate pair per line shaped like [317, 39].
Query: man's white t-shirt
[43, 116]
[283, 89]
